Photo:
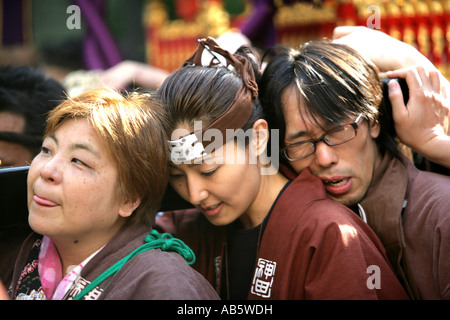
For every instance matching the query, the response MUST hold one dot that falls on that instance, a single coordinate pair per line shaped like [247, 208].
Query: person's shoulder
[428, 200]
[167, 274]
[319, 219]
[159, 260]
[428, 189]
[305, 199]
[329, 216]
[432, 182]
[302, 191]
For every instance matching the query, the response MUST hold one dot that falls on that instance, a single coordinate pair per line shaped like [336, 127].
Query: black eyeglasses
[336, 136]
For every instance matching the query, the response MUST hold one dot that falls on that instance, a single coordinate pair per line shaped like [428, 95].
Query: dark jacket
[312, 248]
[409, 210]
[153, 274]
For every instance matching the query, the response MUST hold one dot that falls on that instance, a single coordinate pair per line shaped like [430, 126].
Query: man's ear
[374, 128]
[260, 136]
[128, 207]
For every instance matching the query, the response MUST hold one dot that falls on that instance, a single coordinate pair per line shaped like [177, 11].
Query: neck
[74, 250]
[270, 187]
[71, 257]
[378, 160]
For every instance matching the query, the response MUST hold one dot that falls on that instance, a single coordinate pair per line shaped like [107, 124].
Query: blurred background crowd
[75, 46]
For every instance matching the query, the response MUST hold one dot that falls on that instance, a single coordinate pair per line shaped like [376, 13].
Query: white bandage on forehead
[186, 149]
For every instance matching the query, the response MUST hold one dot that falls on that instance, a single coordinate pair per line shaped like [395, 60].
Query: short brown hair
[133, 127]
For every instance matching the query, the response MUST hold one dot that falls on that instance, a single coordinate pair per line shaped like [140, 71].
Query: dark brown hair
[333, 81]
[203, 93]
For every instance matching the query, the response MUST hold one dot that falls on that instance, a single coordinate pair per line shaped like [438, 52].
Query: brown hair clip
[240, 110]
[240, 64]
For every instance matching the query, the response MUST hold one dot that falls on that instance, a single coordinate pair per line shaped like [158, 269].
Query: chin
[218, 222]
[39, 225]
[346, 200]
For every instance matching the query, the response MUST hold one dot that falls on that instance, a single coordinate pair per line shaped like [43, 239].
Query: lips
[337, 185]
[44, 202]
[212, 210]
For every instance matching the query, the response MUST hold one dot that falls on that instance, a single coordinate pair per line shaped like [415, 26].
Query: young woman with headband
[256, 234]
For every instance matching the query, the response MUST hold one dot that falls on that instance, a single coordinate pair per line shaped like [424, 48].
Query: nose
[325, 155]
[197, 191]
[51, 171]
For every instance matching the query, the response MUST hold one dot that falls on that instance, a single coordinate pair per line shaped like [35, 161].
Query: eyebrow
[297, 135]
[76, 146]
[310, 134]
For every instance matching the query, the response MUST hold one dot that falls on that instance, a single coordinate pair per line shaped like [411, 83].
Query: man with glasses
[324, 98]
[334, 137]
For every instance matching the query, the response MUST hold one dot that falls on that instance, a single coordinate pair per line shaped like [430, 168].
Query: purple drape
[99, 49]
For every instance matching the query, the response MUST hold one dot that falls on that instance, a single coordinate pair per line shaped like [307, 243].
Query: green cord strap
[154, 240]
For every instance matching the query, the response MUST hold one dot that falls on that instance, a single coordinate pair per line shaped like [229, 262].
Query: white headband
[186, 149]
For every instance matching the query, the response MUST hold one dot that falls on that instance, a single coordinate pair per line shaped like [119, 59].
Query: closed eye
[176, 174]
[209, 173]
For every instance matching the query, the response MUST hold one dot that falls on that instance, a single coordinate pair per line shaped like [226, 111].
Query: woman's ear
[260, 137]
[128, 207]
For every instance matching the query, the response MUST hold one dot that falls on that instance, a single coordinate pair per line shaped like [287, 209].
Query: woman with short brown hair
[93, 193]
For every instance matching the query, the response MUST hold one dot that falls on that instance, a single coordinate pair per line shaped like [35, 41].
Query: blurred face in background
[13, 154]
